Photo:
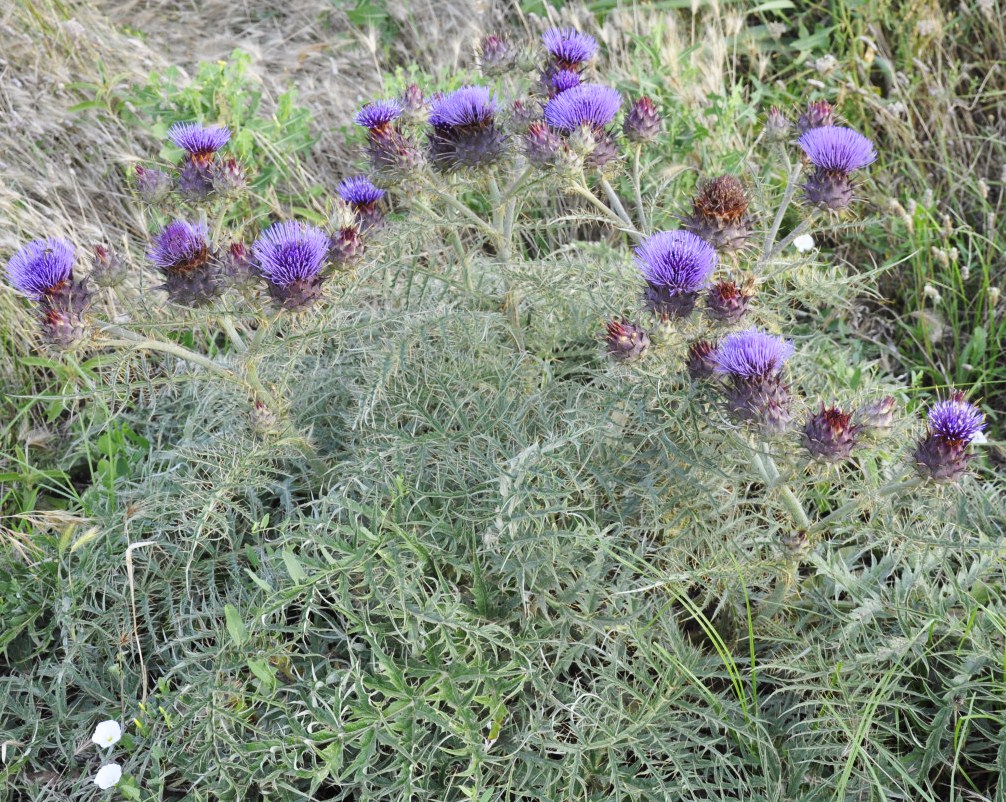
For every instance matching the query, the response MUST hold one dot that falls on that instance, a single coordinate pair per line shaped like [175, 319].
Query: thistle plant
[573, 427]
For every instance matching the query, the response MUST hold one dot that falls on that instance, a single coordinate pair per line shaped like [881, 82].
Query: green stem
[770, 476]
[227, 322]
[787, 198]
[142, 344]
[598, 204]
[458, 206]
[615, 201]
[851, 507]
[636, 187]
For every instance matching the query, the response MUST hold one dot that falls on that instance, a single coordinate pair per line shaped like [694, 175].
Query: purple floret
[469, 105]
[41, 266]
[379, 114]
[359, 191]
[586, 104]
[956, 420]
[752, 354]
[837, 149]
[179, 245]
[677, 260]
[564, 80]
[289, 252]
[199, 142]
[568, 46]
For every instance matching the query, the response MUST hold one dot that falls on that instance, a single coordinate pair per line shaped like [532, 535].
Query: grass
[516, 575]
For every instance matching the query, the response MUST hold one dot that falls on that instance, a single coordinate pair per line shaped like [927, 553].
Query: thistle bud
[626, 341]
[346, 246]
[542, 146]
[819, 114]
[152, 184]
[829, 435]
[727, 302]
[719, 214]
[777, 127]
[642, 122]
[413, 103]
[195, 180]
[263, 420]
[699, 361]
[877, 416]
[496, 54]
[237, 267]
[228, 176]
[523, 112]
[109, 270]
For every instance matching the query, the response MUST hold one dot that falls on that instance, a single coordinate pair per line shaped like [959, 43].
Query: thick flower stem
[791, 185]
[601, 207]
[503, 218]
[636, 184]
[227, 322]
[486, 229]
[770, 476]
[615, 201]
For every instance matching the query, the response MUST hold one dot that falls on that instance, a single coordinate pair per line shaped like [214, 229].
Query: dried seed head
[719, 214]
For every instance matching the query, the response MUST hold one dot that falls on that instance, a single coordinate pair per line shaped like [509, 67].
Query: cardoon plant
[568, 48]
[720, 214]
[389, 150]
[676, 266]
[291, 257]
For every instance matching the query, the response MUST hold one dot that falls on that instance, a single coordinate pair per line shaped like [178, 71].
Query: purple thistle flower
[198, 141]
[592, 105]
[377, 117]
[678, 260]
[568, 47]
[563, 80]
[675, 265]
[465, 133]
[181, 251]
[752, 354]
[835, 152]
[753, 361]
[837, 149]
[359, 191]
[179, 246]
[954, 423]
[469, 105]
[41, 267]
[955, 420]
[289, 252]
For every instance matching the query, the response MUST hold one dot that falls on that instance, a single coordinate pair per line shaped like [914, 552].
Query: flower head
[179, 247]
[465, 133]
[819, 114]
[108, 776]
[496, 54]
[568, 47]
[377, 117]
[198, 141]
[469, 105]
[719, 214]
[153, 184]
[837, 149]
[107, 733]
[955, 420]
[592, 105]
[626, 341]
[829, 435]
[41, 267]
[359, 191]
[776, 125]
[727, 301]
[699, 360]
[677, 260]
[291, 251]
[642, 122]
[563, 80]
[752, 354]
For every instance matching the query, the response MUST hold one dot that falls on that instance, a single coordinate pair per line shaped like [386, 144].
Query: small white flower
[107, 733]
[979, 439]
[932, 294]
[804, 243]
[108, 775]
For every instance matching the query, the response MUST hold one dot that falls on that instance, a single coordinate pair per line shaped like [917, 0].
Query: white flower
[108, 775]
[979, 439]
[804, 243]
[107, 733]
